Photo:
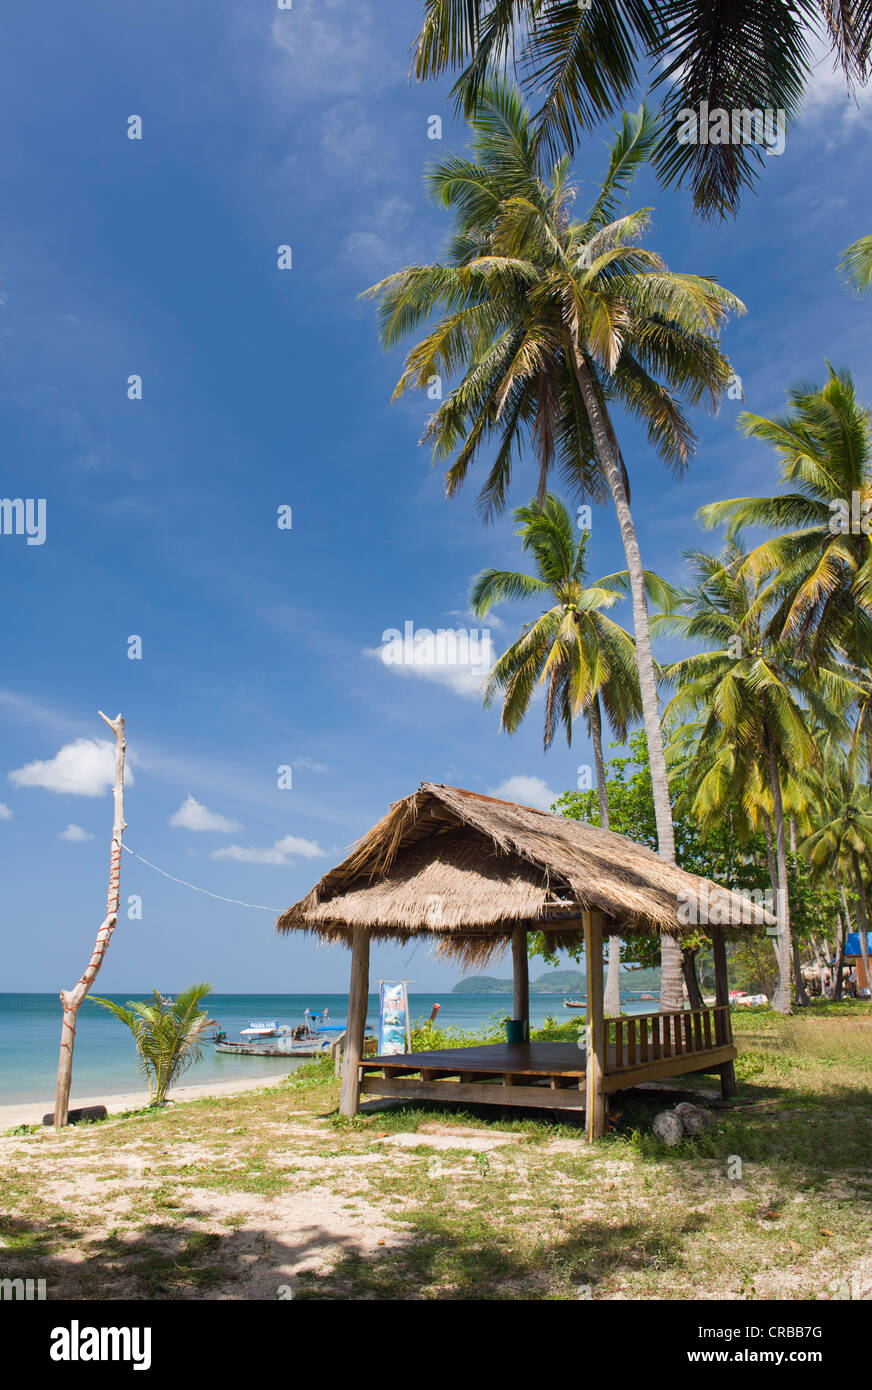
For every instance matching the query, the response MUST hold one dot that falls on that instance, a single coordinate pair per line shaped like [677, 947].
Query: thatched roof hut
[475, 873]
[465, 868]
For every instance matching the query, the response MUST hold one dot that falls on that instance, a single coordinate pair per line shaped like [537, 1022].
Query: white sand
[30, 1112]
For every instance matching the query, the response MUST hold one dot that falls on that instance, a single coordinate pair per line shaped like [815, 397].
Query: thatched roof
[463, 868]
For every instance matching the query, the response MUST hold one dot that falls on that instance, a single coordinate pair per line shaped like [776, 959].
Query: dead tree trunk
[72, 999]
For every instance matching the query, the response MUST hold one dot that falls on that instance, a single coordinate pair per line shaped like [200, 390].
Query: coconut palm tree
[815, 573]
[581, 61]
[585, 660]
[168, 1034]
[760, 706]
[841, 845]
[856, 264]
[549, 320]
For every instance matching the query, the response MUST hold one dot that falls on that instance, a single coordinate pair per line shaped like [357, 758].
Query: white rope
[236, 902]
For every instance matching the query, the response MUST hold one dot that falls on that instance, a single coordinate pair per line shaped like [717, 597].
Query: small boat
[273, 1039]
[575, 1003]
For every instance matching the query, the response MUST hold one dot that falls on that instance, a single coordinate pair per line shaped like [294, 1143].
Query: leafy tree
[549, 320]
[581, 62]
[758, 704]
[722, 850]
[167, 1033]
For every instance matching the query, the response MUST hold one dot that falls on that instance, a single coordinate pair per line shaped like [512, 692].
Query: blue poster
[393, 1018]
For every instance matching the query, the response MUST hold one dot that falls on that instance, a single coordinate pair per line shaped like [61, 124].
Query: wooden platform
[553, 1075]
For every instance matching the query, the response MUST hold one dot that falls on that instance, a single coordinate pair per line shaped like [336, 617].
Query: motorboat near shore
[269, 1038]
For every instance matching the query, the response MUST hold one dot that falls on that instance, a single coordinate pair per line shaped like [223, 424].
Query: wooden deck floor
[547, 1075]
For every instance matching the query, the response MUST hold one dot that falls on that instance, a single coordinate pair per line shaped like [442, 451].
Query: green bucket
[516, 1030]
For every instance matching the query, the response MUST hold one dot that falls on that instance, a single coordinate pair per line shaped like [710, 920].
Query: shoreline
[30, 1112]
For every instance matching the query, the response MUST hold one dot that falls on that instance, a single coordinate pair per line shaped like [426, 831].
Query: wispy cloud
[282, 852]
[5, 813]
[309, 765]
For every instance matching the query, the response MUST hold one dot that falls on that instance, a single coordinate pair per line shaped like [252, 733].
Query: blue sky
[264, 388]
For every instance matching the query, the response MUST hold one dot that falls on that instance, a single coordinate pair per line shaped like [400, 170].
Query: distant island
[566, 983]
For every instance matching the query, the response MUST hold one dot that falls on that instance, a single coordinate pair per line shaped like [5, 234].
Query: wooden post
[595, 1060]
[521, 976]
[358, 997]
[723, 1025]
[71, 1000]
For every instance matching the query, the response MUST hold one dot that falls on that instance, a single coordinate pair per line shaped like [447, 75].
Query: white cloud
[827, 103]
[458, 658]
[529, 791]
[76, 834]
[280, 853]
[191, 815]
[85, 767]
[5, 813]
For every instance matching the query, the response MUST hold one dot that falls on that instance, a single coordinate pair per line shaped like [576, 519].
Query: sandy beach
[30, 1112]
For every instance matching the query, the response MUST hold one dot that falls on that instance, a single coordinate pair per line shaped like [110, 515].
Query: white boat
[257, 1030]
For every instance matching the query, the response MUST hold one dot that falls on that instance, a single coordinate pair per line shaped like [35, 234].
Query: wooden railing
[641, 1038]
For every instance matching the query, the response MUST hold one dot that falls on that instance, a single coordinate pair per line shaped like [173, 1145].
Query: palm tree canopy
[856, 264]
[818, 568]
[524, 285]
[750, 692]
[573, 647]
[582, 62]
[843, 816]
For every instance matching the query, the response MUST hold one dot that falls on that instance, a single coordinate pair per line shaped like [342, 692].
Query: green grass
[772, 1201]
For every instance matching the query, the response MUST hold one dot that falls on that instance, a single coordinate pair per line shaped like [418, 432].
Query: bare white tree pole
[72, 999]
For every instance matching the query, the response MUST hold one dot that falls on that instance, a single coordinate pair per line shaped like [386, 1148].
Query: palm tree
[842, 843]
[168, 1034]
[550, 320]
[856, 264]
[586, 662]
[581, 62]
[759, 704]
[818, 567]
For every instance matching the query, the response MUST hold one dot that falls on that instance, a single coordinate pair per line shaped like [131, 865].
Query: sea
[105, 1057]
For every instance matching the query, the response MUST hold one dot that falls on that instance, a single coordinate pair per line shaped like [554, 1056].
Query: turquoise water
[105, 1058]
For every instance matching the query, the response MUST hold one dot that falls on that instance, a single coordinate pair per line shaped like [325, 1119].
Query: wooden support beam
[593, 953]
[723, 1024]
[521, 975]
[358, 996]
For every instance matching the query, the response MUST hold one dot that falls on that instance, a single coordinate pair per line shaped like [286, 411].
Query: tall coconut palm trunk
[845, 925]
[863, 917]
[612, 992]
[782, 1000]
[671, 993]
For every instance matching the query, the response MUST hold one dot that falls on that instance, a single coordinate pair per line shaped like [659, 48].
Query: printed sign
[393, 1018]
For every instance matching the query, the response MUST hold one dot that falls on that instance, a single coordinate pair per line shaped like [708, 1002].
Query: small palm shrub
[168, 1034]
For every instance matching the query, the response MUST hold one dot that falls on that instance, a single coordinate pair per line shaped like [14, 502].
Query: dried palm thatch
[464, 868]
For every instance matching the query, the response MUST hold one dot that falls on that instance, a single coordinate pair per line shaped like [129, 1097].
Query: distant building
[854, 959]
